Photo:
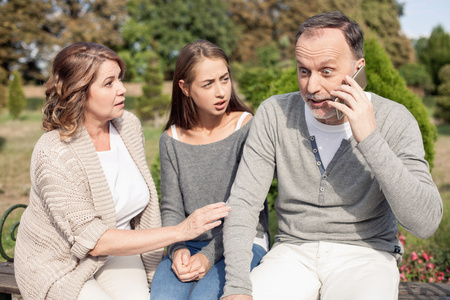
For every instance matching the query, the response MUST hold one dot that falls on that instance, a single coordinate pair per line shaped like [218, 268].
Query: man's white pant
[325, 271]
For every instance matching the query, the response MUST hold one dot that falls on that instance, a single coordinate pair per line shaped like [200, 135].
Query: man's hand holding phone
[357, 107]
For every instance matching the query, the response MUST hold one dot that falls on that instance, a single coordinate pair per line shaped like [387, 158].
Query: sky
[421, 16]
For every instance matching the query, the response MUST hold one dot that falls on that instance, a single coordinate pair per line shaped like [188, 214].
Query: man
[343, 184]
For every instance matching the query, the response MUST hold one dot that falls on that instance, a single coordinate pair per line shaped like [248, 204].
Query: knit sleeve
[395, 155]
[214, 250]
[64, 192]
[247, 198]
[172, 207]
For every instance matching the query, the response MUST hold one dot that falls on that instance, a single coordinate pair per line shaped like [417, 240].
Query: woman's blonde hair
[74, 70]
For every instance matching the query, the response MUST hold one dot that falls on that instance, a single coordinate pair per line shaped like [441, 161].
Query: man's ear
[360, 62]
[183, 87]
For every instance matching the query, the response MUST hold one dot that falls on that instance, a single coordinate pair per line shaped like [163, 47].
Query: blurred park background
[258, 35]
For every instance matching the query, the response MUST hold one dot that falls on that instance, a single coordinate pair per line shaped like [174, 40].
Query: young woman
[200, 151]
[92, 229]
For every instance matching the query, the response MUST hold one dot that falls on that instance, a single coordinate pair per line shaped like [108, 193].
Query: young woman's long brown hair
[183, 112]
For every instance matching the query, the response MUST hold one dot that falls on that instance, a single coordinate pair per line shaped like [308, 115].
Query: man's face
[323, 59]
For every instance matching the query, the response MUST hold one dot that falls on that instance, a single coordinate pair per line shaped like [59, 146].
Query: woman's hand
[189, 268]
[181, 266]
[200, 264]
[130, 242]
[202, 220]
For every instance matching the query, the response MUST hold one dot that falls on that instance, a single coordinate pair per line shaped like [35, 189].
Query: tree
[3, 89]
[152, 103]
[24, 36]
[97, 21]
[434, 52]
[444, 78]
[416, 75]
[167, 26]
[381, 17]
[16, 96]
[442, 111]
[32, 31]
[275, 21]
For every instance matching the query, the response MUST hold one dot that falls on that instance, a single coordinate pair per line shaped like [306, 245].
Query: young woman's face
[106, 94]
[211, 88]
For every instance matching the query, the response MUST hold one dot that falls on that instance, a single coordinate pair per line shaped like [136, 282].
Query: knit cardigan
[70, 207]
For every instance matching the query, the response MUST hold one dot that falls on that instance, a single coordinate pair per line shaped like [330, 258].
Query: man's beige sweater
[70, 207]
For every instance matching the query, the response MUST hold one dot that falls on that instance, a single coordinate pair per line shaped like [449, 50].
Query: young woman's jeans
[166, 285]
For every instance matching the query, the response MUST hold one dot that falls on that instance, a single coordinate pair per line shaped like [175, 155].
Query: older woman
[92, 229]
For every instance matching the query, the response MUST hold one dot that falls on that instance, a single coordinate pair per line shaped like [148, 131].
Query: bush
[255, 82]
[3, 88]
[416, 75]
[424, 266]
[152, 104]
[155, 170]
[442, 111]
[16, 96]
[34, 104]
[444, 77]
[3, 97]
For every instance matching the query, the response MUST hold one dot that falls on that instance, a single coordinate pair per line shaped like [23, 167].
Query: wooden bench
[423, 290]
[8, 285]
[407, 290]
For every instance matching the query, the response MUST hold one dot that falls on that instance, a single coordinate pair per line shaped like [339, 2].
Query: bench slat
[426, 290]
[8, 283]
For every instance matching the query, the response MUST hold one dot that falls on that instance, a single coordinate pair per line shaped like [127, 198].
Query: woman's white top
[128, 188]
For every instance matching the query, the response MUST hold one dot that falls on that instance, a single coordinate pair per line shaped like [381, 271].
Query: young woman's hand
[203, 219]
[199, 263]
[181, 266]
[189, 268]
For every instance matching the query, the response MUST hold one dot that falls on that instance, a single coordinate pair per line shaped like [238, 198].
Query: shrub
[34, 104]
[155, 170]
[16, 96]
[255, 82]
[3, 96]
[424, 266]
[442, 111]
[3, 89]
[152, 103]
[416, 75]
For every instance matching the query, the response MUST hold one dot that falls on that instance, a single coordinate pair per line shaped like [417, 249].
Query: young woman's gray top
[193, 176]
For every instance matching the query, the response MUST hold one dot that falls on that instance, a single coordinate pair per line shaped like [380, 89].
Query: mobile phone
[361, 78]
